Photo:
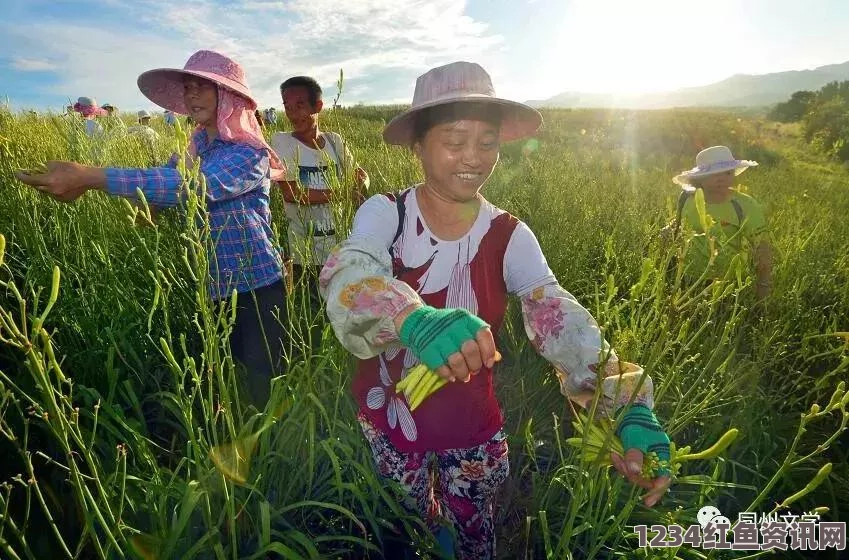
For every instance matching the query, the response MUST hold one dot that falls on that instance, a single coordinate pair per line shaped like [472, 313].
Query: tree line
[824, 116]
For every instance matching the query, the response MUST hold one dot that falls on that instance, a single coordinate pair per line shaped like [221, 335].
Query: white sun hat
[713, 160]
[142, 114]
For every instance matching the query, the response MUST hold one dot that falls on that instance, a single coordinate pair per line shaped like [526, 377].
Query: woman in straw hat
[238, 166]
[425, 277]
[738, 223]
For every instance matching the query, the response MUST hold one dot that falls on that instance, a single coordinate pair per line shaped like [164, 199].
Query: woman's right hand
[64, 180]
[452, 342]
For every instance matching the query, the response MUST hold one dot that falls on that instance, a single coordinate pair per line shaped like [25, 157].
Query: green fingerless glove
[639, 429]
[434, 334]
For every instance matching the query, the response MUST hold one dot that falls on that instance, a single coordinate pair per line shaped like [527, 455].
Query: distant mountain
[740, 90]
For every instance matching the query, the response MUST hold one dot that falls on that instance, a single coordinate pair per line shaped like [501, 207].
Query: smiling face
[300, 110]
[201, 99]
[458, 157]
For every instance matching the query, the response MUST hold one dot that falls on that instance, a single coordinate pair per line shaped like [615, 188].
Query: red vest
[459, 415]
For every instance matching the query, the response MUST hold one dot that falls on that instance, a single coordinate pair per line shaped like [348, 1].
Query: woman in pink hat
[238, 166]
[87, 107]
[425, 277]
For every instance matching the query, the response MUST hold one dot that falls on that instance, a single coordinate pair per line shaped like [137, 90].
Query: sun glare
[626, 47]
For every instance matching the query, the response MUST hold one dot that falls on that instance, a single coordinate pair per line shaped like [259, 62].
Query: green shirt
[731, 235]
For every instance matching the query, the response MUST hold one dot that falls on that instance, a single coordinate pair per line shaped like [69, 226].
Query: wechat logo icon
[711, 514]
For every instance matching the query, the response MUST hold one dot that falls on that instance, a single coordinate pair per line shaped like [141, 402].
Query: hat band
[717, 165]
[455, 95]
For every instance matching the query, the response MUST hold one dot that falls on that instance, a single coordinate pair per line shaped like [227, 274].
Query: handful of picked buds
[601, 440]
[421, 382]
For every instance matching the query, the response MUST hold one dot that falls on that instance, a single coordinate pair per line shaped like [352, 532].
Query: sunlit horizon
[631, 49]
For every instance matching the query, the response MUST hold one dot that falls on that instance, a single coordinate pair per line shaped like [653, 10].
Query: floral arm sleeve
[362, 297]
[566, 334]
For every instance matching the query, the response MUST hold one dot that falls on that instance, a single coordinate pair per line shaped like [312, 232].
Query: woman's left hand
[631, 467]
[64, 180]
[641, 433]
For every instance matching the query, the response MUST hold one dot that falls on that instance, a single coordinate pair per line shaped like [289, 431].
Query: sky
[53, 51]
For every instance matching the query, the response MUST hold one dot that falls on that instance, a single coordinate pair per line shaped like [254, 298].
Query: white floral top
[382, 269]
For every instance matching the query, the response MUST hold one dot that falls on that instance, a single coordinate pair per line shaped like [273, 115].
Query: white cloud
[96, 62]
[318, 37]
[382, 45]
[33, 65]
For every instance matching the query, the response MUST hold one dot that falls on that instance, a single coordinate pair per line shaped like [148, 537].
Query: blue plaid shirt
[238, 183]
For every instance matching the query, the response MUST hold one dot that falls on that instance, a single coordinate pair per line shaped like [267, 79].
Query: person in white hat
[143, 128]
[738, 222]
[144, 117]
[425, 276]
[113, 123]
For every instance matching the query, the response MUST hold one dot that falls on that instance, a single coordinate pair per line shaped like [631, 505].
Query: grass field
[116, 384]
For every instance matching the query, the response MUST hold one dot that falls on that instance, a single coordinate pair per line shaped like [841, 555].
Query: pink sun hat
[164, 86]
[461, 82]
[87, 106]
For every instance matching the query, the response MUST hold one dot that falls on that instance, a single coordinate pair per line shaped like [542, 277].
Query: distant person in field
[739, 225]
[143, 128]
[238, 166]
[88, 109]
[148, 139]
[271, 116]
[113, 122]
[170, 118]
[318, 165]
[425, 276]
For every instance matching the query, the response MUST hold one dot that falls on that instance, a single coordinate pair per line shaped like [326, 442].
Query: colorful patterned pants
[467, 480]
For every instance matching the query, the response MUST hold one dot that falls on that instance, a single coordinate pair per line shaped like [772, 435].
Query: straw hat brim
[518, 120]
[96, 111]
[164, 86]
[738, 165]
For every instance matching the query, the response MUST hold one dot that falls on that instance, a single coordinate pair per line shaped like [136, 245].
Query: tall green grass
[118, 388]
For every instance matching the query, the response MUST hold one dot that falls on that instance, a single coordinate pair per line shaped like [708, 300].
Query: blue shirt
[238, 181]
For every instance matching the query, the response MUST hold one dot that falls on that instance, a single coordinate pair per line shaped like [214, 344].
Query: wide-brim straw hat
[164, 86]
[461, 82]
[713, 160]
[88, 106]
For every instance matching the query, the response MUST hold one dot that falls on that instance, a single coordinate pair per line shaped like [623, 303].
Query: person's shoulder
[499, 214]
[685, 202]
[746, 200]
[334, 138]
[379, 209]
[381, 200]
[282, 138]
[243, 150]
[283, 143]
[739, 195]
